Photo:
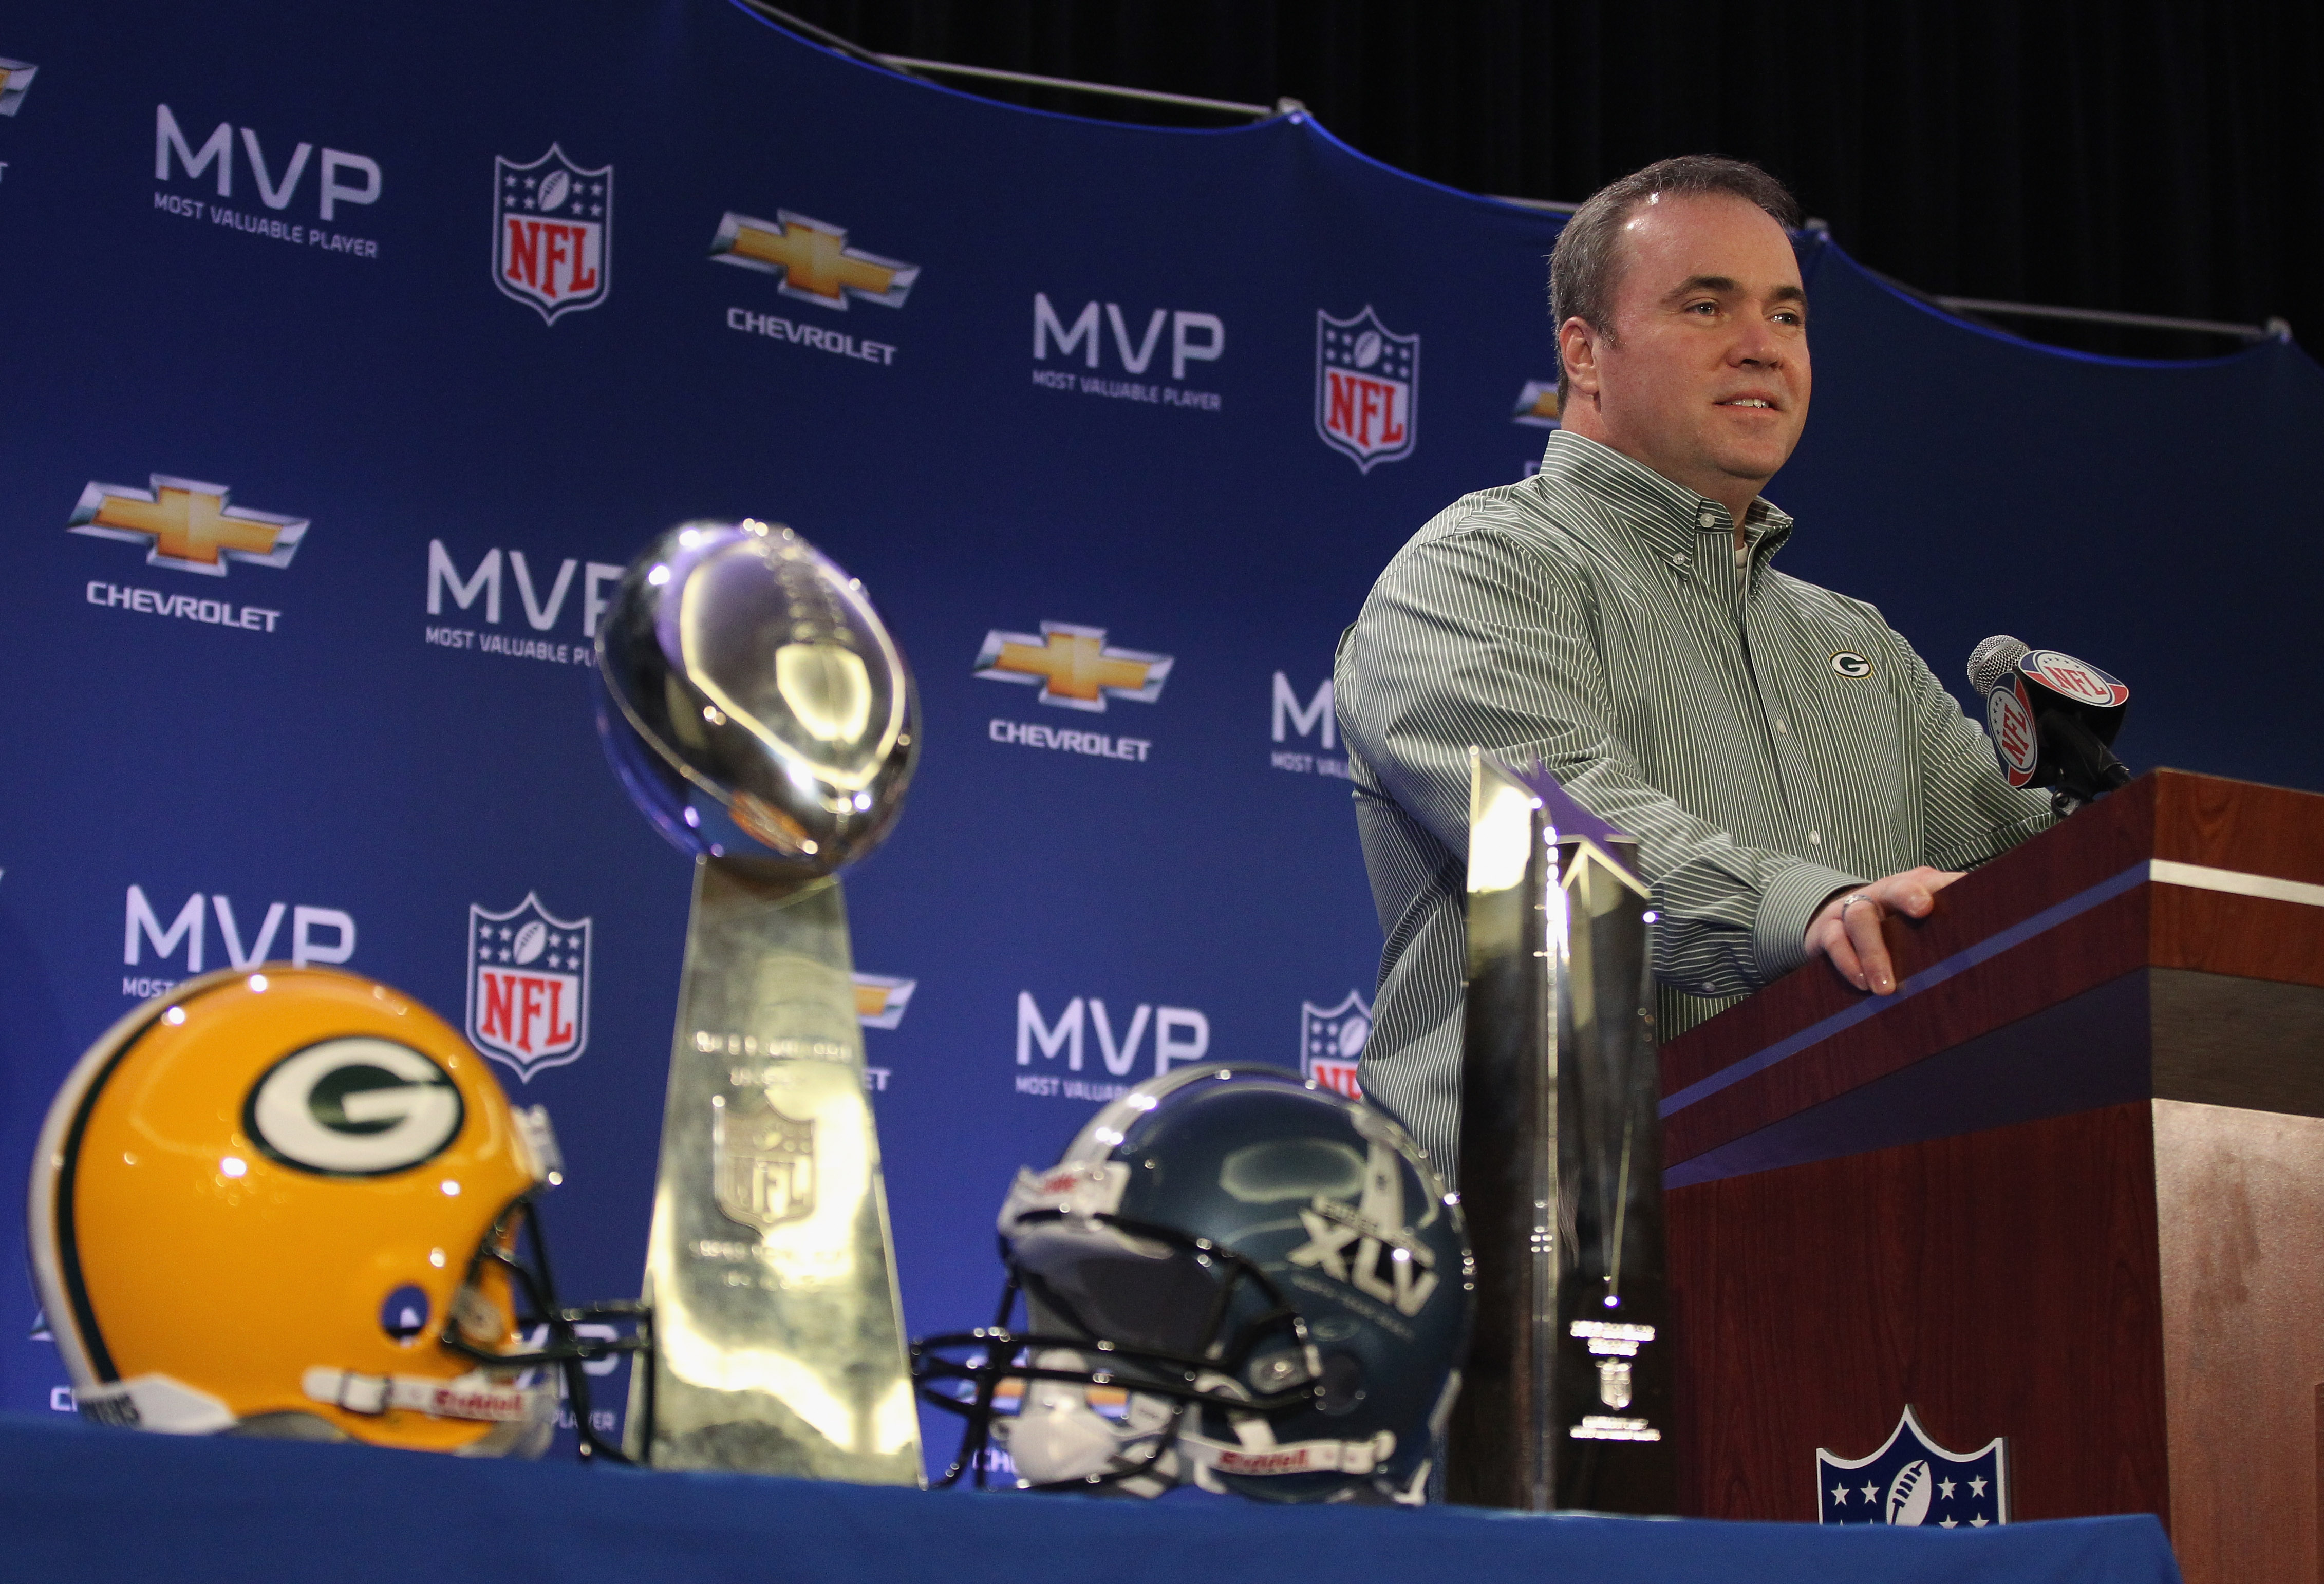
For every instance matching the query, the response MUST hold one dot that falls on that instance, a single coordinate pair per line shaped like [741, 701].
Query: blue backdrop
[483, 297]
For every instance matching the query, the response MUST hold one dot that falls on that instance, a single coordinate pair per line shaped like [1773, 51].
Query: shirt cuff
[1779, 932]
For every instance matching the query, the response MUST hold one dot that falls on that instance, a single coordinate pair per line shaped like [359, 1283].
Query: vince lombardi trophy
[759, 713]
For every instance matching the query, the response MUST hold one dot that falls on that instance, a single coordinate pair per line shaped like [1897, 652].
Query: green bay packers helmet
[293, 1201]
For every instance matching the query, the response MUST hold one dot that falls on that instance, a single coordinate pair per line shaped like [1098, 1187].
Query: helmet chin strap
[523, 1419]
[476, 1394]
[1057, 1438]
[1256, 1453]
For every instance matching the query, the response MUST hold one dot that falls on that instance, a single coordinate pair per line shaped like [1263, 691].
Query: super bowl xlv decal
[1368, 1244]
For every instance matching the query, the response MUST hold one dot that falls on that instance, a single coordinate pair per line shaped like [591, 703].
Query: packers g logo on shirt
[1849, 663]
[357, 1107]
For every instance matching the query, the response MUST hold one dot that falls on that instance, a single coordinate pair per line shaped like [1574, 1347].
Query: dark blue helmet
[1233, 1278]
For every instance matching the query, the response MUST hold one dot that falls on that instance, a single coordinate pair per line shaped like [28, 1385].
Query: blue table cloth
[86, 1505]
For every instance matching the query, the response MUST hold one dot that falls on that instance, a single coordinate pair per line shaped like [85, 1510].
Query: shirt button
[1709, 520]
[1780, 726]
[1817, 837]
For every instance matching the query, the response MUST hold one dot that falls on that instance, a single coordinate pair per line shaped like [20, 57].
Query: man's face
[1705, 378]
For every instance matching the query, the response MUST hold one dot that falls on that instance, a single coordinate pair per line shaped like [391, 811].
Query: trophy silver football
[758, 710]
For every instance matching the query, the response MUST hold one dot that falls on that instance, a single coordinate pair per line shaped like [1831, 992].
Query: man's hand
[1847, 928]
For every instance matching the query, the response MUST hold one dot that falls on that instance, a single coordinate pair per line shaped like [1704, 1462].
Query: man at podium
[1790, 768]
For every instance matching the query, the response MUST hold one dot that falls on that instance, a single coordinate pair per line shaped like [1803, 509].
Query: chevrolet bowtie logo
[1074, 665]
[812, 259]
[15, 77]
[1537, 404]
[879, 1000]
[188, 524]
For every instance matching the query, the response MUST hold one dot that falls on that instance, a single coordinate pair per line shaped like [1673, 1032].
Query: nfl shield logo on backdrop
[527, 986]
[553, 232]
[1331, 1040]
[1366, 387]
[1913, 1480]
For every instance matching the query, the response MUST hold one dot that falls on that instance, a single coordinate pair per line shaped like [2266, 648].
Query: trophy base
[777, 1335]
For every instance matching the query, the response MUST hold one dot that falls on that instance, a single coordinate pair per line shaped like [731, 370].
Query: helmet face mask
[289, 1202]
[506, 1317]
[1095, 1412]
[1218, 1288]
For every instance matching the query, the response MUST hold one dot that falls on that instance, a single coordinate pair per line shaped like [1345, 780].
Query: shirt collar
[1665, 515]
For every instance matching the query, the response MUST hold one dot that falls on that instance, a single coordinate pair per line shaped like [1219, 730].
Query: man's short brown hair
[1586, 266]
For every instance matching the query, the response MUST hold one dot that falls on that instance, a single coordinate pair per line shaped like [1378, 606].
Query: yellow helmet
[288, 1201]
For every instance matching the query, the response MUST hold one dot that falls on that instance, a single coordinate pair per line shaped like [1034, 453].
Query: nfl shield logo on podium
[1366, 387]
[1913, 1480]
[527, 986]
[553, 232]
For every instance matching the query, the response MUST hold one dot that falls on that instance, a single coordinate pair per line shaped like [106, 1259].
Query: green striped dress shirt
[1768, 742]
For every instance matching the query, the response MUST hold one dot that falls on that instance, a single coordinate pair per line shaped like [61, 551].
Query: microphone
[2052, 719]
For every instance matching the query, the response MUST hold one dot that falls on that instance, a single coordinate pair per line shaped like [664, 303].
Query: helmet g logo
[357, 1107]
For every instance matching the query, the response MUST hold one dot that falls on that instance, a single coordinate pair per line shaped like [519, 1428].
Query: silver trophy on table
[759, 713]
[1570, 1381]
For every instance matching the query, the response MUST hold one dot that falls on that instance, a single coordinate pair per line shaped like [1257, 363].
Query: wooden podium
[2066, 1186]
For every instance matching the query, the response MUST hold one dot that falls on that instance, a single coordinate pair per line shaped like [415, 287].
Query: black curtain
[2155, 156]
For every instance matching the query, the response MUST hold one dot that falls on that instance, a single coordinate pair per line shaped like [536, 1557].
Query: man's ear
[1577, 345]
